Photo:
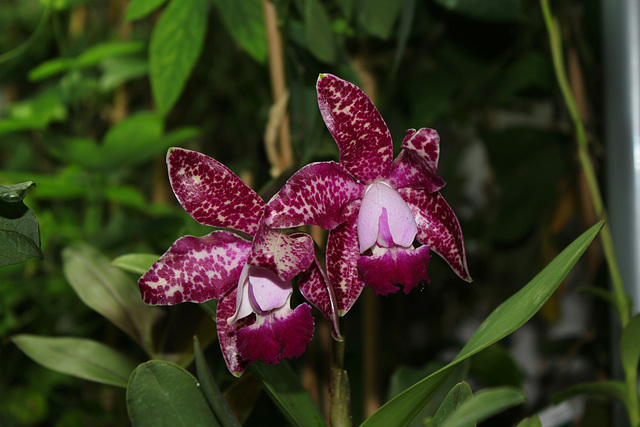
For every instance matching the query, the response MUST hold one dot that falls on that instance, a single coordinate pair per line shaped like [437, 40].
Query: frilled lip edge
[395, 268]
[283, 334]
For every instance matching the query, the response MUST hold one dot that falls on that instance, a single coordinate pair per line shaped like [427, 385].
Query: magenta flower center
[385, 219]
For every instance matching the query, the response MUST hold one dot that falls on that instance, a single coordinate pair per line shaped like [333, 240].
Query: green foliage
[497, 10]
[79, 357]
[135, 263]
[482, 405]
[245, 21]
[286, 391]
[459, 394]
[176, 44]
[140, 8]
[19, 231]
[161, 393]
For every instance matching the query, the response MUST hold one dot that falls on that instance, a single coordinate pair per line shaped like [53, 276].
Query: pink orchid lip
[385, 218]
[260, 291]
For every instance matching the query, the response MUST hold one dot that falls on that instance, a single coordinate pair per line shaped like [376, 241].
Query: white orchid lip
[385, 218]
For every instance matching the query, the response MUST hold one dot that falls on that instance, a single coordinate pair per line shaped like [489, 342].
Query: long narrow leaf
[483, 405]
[286, 391]
[505, 319]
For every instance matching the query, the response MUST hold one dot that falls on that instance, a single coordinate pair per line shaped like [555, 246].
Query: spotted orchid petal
[287, 255]
[342, 260]
[438, 227]
[384, 218]
[364, 141]
[227, 333]
[316, 194]
[416, 165]
[211, 193]
[314, 286]
[281, 335]
[196, 269]
[395, 268]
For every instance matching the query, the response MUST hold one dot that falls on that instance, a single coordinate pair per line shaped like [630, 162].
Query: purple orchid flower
[374, 206]
[250, 280]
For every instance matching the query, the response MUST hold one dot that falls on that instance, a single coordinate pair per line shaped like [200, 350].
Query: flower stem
[339, 387]
[555, 40]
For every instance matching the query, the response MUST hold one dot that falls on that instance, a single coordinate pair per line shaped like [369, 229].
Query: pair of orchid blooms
[373, 206]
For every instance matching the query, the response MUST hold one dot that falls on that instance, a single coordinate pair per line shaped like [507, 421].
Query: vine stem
[340, 407]
[586, 163]
[620, 296]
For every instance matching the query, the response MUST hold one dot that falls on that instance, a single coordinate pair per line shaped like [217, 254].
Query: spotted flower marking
[375, 207]
[251, 279]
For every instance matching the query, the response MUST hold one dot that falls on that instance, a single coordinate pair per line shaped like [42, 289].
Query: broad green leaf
[109, 291]
[630, 345]
[286, 391]
[19, 230]
[133, 140]
[119, 70]
[211, 391]
[493, 11]
[318, 33]
[245, 21]
[164, 394]
[89, 58]
[404, 30]
[459, 394]
[79, 357]
[176, 43]
[483, 405]
[610, 389]
[505, 319]
[135, 263]
[533, 421]
[377, 16]
[140, 8]
[68, 183]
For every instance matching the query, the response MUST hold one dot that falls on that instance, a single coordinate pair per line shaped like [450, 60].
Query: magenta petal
[438, 227]
[364, 141]
[196, 269]
[211, 193]
[416, 165]
[287, 255]
[227, 334]
[394, 269]
[342, 257]
[281, 335]
[314, 286]
[316, 194]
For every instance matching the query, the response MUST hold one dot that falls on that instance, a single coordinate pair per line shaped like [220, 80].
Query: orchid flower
[250, 279]
[374, 206]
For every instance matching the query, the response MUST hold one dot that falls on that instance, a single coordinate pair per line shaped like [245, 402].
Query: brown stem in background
[280, 155]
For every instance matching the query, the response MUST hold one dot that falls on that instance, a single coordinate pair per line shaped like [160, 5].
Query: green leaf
[60, 4]
[493, 11]
[109, 291]
[176, 43]
[245, 21]
[483, 405]
[135, 263]
[533, 421]
[494, 366]
[133, 140]
[610, 389]
[19, 230]
[119, 70]
[404, 30]
[460, 393]
[68, 183]
[211, 391]
[140, 8]
[318, 32]
[286, 391]
[79, 357]
[377, 16]
[505, 319]
[89, 58]
[630, 346]
[164, 394]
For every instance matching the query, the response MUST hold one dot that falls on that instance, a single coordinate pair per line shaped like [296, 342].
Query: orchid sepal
[211, 193]
[416, 165]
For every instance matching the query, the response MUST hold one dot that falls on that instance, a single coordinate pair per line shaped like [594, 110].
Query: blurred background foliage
[93, 92]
